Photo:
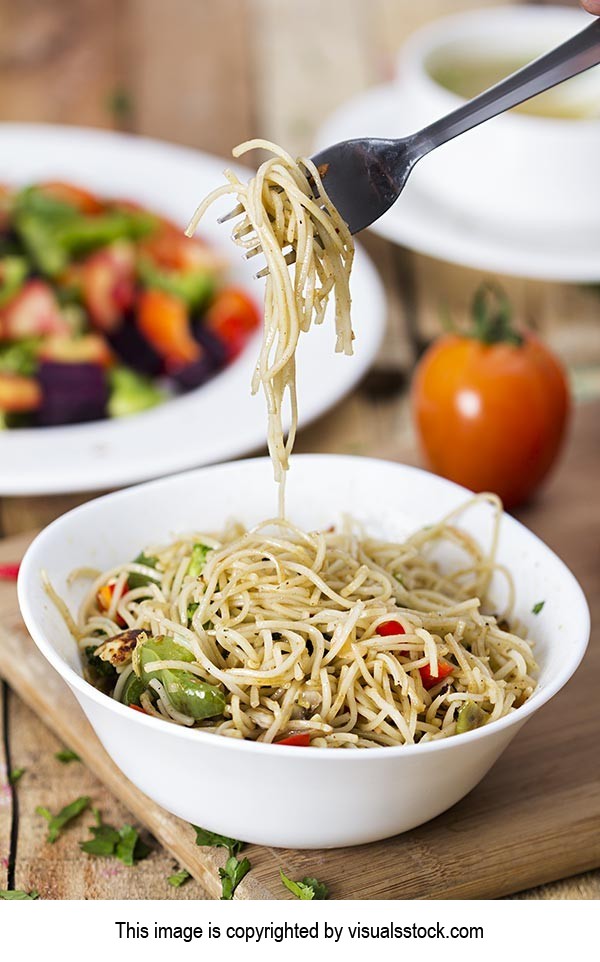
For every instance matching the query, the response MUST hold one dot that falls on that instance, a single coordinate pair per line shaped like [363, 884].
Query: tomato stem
[492, 316]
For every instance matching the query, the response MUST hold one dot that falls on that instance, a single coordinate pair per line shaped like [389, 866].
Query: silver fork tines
[290, 258]
[237, 210]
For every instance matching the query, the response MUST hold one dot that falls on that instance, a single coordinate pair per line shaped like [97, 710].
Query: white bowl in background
[518, 170]
[284, 795]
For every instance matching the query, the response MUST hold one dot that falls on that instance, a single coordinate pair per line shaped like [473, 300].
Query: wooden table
[241, 68]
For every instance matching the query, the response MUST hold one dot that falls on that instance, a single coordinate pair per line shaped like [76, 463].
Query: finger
[592, 6]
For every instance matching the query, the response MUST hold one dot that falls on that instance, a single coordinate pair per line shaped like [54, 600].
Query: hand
[592, 6]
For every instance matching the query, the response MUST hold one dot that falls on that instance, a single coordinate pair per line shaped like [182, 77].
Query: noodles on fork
[281, 211]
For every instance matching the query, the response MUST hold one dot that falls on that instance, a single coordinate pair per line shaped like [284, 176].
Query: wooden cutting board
[535, 818]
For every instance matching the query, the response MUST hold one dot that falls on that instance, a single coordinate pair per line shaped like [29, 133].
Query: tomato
[164, 321]
[233, 317]
[491, 414]
[108, 284]
[170, 248]
[33, 312]
[79, 198]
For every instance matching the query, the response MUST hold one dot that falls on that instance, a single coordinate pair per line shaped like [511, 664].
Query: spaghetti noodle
[289, 216]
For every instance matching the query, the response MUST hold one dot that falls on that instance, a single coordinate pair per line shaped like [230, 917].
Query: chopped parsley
[107, 841]
[179, 878]
[204, 837]
[232, 875]
[537, 607]
[306, 888]
[15, 775]
[56, 823]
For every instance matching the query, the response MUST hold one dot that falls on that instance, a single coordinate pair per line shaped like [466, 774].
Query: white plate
[220, 420]
[419, 222]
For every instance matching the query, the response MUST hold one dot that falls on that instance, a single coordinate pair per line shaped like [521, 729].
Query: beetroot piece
[134, 350]
[193, 375]
[71, 393]
[212, 344]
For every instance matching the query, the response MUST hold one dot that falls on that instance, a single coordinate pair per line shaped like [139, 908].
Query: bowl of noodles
[329, 679]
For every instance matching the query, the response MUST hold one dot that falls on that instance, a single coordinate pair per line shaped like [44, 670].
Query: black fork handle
[577, 54]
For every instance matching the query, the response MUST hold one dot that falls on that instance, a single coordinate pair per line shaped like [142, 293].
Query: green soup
[469, 76]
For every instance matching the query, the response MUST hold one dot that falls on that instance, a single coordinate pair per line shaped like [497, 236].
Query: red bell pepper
[429, 680]
[302, 739]
[390, 628]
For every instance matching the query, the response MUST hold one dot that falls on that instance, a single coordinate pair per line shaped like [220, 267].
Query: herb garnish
[537, 607]
[15, 775]
[232, 875]
[17, 895]
[234, 870]
[67, 755]
[56, 823]
[204, 837]
[307, 888]
[124, 843]
[179, 878]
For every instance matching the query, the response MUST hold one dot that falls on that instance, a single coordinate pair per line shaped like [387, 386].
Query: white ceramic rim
[426, 41]
[122, 451]
[536, 701]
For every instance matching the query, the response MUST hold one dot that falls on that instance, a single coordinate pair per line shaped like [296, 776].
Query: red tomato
[82, 199]
[491, 416]
[429, 680]
[302, 739]
[232, 316]
[163, 320]
[169, 247]
[34, 312]
[390, 628]
[108, 284]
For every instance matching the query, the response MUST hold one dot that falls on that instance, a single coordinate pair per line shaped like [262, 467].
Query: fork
[364, 177]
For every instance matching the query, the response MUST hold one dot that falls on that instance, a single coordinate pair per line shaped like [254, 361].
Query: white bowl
[516, 170]
[280, 795]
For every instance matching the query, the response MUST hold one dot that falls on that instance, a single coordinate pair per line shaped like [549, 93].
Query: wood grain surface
[543, 791]
[210, 75]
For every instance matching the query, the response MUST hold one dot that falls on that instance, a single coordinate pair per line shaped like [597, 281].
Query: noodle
[280, 212]
[285, 623]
